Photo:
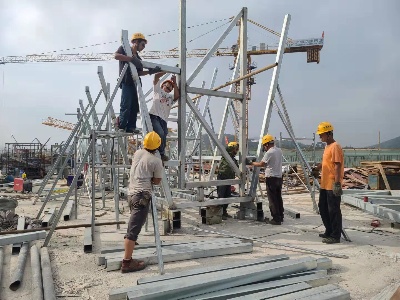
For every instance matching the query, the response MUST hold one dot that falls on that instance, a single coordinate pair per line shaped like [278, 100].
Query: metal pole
[37, 291]
[157, 234]
[93, 179]
[271, 96]
[243, 106]
[19, 270]
[47, 275]
[183, 95]
[76, 174]
[1, 263]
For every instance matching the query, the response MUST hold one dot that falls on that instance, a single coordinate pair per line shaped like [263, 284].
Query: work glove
[314, 172]
[154, 70]
[337, 189]
[248, 161]
[136, 61]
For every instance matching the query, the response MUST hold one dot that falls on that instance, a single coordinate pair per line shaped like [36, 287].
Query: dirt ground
[373, 263]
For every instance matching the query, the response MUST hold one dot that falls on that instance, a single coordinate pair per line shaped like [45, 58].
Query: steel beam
[196, 184]
[234, 265]
[210, 282]
[271, 96]
[328, 291]
[20, 268]
[22, 237]
[20, 226]
[221, 94]
[218, 201]
[68, 210]
[37, 291]
[49, 292]
[164, 68]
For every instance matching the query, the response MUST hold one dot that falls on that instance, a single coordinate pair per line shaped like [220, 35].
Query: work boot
[132, 265]
[324, 235]
[164, 157]
[331, 240]
[273, 222]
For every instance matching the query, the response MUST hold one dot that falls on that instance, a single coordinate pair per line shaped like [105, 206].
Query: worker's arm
[258, 164]
[318, 166]
[176, 89]
[157, 77]
[156, 181]
[338, 173]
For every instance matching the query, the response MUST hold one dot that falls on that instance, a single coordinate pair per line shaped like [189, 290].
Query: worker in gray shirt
[146, 170]
[272, 161]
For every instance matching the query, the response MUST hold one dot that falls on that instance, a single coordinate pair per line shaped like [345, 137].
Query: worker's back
[145, 166]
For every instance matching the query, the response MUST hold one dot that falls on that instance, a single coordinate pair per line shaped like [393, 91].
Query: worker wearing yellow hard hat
[330, 192]
[272, 162]
[129, 107]
[225, 171]
[146, 170]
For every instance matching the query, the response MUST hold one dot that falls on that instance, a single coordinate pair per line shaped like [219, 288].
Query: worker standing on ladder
[129, 107]
[162, 104]
[272, 161]
[225, 171]
[330, 192]
[146, 170]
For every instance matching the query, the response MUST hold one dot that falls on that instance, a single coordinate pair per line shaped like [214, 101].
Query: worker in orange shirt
[330, 193]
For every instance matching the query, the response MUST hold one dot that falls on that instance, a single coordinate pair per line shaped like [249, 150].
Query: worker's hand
[314, 172]
[173, 79]
[154, 70]
[136, 61]
[249, 162]
[337, 189]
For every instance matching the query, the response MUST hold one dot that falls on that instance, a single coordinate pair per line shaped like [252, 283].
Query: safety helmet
[152, 141]
[167, 81]
[324, 127]
[233, 144]
[267, 139]
[138, 36]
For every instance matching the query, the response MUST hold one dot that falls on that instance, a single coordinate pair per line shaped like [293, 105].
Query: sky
[355, 86]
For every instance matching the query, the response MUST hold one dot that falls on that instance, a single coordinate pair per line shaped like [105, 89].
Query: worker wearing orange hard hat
[161, 107]
[129, 107]
[272, 162]
[330, 192]
[146, 170]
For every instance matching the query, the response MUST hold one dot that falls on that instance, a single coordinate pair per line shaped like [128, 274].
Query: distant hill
[390, 144]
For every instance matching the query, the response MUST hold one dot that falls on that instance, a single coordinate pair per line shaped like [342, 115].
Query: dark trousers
[160, 126]
[224, 191]
[274, 193]
[129, 107]
[331, 215]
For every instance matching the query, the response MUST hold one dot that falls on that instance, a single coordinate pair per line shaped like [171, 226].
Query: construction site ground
[373, 263]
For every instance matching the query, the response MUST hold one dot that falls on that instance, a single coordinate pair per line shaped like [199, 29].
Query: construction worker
[272, 161]
[162, 104]
[146, 170]
[129, 107]
[330, 192]
[225, 171]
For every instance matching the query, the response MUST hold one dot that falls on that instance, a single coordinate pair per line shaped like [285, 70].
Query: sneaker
[331, 240]
[164, 157]
[132, 265]
[324, 235]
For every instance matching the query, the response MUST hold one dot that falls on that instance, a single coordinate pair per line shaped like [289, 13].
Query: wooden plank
[384, 176]
[206, 250]
[191, 272]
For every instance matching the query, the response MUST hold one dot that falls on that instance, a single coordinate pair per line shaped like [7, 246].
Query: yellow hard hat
[267, 139]
[233, 144]
[138, 36]
[152, 141]
[324, 127]
[23, 175]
